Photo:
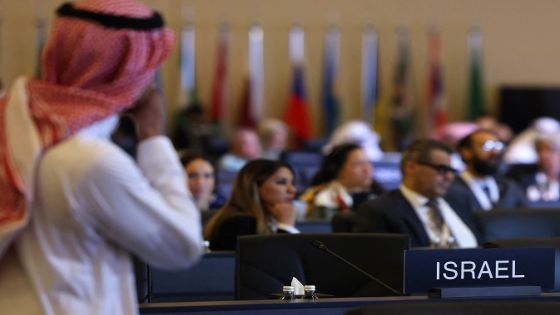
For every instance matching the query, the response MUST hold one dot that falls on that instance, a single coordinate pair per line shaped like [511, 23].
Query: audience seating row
[306, 164]
[270, 262]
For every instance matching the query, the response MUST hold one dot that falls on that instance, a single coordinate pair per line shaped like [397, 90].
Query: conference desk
[326, 306]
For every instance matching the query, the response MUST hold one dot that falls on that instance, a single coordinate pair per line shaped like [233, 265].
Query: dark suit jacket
[523, 175]
[225, 234]
[392, 213]
[511, 196]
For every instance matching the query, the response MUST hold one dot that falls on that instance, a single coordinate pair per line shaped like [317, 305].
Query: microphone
[323, 247]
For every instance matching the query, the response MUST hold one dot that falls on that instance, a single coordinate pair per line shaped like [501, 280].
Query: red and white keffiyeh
[99, 58]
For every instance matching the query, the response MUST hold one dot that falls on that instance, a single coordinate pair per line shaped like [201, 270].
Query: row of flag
[405, 116]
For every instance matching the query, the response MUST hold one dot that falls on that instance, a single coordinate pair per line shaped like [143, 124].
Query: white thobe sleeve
[145, 207]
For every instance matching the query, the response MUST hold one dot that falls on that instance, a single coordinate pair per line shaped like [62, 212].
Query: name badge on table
[495, 267]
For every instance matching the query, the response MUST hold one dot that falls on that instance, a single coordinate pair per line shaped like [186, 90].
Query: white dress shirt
[459, 230]
[476, 185]
[93, 205]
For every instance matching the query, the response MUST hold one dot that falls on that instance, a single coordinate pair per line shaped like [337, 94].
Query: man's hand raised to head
[148, 113]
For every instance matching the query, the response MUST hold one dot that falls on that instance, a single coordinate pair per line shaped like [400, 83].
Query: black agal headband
[110, 20]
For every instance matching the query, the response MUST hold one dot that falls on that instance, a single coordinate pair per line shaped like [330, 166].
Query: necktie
[434, 215]
[486, 190]
[446, 240]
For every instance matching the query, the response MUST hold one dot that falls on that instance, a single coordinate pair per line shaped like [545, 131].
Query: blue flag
[329, 98]
[369, 74]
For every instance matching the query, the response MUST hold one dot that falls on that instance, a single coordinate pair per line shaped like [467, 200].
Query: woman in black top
[261, 202]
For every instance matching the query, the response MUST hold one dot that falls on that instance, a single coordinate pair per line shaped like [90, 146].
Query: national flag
[297, 112]
[246, 118]
[219, 84]
[188, 103]
[41, 28]
[369, 74]
[437, 107]
[475, 106]
[1, 58]
[402, 109]
[256, 75]
[330, 71]
[187, 68]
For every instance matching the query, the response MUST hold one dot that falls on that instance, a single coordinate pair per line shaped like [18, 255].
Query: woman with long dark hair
[261, 202]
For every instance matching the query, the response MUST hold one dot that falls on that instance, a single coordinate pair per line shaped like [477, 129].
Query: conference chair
[499, 224]
[343, 222]
[141, 277]
[265, 263]
[462, 307]
[205, 216]
[552, 242]
[305, 165]
[387, 172]
[314, 226]
[211, 279]
[224, 182]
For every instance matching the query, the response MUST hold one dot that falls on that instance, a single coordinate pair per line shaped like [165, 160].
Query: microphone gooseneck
[323, 247]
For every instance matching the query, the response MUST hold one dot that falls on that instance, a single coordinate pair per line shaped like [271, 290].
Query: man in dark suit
[417, 207]
[541, 182]
[482, 153]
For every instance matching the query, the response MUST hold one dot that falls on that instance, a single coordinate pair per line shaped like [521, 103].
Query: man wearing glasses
[482, 153]
[423, 206]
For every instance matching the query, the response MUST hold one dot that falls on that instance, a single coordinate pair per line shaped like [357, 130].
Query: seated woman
[343, 180]
[261, 202]
[201, 181]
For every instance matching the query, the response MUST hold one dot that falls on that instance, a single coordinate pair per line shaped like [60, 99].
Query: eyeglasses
[492, 145]
[441, 169]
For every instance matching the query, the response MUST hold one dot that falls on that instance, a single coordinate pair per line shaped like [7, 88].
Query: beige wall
[521, 43]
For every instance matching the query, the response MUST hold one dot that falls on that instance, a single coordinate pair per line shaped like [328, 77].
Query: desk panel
[335, 306]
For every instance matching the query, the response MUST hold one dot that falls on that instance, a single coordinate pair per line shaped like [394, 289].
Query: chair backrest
[552, 242]
[314, 226]
[206, 215]
[267, 262]
[499, 224]
[305, 165]
[302, 158]
[224, 182]
[387, 173]
[210, 279]
[343, 222]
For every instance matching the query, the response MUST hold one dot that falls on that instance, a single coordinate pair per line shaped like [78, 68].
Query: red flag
[297, 114]
[436, 94]
[245, 108]
[218, 98]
